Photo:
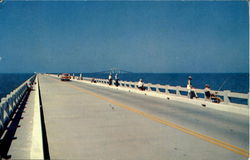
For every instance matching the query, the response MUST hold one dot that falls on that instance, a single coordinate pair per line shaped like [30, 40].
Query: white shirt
[140, 84]
[110, 77]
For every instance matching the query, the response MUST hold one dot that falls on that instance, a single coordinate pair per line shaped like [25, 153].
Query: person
[189, 86]
[110, 79]
[211, 96]
[141, 85]
[29, 85]
[116, 80]
[215, 98]
[192, 93]
[93, 80]
[207, 92]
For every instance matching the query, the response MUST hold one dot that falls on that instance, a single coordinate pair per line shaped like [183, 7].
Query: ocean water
[9, 82]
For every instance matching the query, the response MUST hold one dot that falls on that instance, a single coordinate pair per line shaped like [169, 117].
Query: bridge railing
[9, 104]
[228, 97]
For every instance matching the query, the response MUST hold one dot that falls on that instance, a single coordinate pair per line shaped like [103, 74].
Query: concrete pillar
[178, 90]
[10, 105]
[136, 85]
[166, 89]
[5, 111]
[225, 96]
[248, 99]
[149, 85]
[81, 76]
[130, 84]
[121, 83]
[158, 86]
[1, 117]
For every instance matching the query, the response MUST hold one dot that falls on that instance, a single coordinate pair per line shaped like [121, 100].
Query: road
[84, 121]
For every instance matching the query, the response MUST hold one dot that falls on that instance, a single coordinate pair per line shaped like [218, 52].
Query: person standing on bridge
[29, 85]
[110, 79]
[116, 80]
[207, 92]
[189, 86]
[191, 90]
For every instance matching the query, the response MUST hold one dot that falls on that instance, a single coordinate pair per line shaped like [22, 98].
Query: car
[65, 77]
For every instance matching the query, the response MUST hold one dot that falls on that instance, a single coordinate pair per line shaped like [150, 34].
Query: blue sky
[160, 36]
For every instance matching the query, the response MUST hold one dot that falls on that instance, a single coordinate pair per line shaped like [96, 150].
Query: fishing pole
[223, 84]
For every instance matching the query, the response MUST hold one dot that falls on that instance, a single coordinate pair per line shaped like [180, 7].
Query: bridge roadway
[85, 121]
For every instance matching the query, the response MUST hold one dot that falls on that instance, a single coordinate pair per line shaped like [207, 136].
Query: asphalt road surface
[85, 121]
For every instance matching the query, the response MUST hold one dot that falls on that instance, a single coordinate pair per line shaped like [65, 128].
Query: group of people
[110, 80]
[190, 89]
[207, 91]
[140, 85]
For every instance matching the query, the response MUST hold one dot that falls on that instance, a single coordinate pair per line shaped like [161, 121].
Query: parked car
[65, 77]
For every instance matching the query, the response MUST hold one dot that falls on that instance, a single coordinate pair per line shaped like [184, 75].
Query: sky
[137, 36]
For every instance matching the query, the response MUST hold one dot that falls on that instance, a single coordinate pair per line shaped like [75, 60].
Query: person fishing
[211, 96]
[110, 79]
[191, 90]
[189, 86]
[116, 80]
[141, 85]
[207, 92]
[193, 93]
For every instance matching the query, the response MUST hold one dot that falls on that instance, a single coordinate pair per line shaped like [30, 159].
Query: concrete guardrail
[226, 95]
[9, 104]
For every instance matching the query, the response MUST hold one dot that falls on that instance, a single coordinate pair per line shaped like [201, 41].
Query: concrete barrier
[181, 91]
[10, 103]
[176, 93]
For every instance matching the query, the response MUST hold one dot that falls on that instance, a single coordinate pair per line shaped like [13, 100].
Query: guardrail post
[1, 117]
[126, 84]
[121, 83]
[10, 104]
[166, 89]
[135, 85]
[157, 88]
[248, 99]
[130, 84]
[5, 114]
[225, 96]
[149, 86]
[178, 90]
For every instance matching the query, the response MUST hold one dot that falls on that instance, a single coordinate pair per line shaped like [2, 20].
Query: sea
[10, 81]
[235, 82]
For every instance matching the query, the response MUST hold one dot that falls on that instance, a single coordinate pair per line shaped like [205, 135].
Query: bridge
[114, 71]
[83, 120]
